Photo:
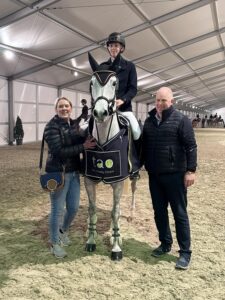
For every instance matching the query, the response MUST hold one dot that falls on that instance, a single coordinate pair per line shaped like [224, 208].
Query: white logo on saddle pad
[103, 164]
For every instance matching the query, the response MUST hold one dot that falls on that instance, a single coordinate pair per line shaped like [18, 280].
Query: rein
[109, 101]
[110, 126]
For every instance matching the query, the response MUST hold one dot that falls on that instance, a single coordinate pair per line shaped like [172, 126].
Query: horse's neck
[104, 131]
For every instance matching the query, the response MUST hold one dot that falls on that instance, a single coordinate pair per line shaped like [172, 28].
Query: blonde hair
[62, 98]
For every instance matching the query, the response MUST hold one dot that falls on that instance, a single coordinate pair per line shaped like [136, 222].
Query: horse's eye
[114, 83]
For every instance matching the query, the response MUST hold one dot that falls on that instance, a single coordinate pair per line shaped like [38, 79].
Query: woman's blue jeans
[64, 206]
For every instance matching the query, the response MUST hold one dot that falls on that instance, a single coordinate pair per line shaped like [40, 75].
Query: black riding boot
[137, 145]
[137, 153]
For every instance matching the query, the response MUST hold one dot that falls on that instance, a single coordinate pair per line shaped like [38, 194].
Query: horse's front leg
[92, 219]
[116, 239]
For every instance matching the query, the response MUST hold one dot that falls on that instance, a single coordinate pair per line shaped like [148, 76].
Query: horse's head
[103, 87]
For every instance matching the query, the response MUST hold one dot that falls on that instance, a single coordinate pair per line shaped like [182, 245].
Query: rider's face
[114, 49]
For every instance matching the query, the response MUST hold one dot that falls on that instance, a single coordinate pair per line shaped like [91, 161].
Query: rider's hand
[90, 143]
[119, 102]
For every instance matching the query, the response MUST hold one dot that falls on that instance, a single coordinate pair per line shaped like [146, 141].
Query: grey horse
[105, 129]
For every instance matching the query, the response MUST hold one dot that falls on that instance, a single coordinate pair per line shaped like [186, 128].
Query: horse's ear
[93, 63]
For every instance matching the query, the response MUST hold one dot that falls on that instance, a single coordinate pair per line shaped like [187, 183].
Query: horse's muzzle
[100, 115]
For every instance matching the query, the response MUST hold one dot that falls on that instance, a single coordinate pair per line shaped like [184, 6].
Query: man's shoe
[58, 251]
[182, 262]
[64, 239]
[161, 250]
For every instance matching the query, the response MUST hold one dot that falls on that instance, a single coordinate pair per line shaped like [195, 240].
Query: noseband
[103, 77]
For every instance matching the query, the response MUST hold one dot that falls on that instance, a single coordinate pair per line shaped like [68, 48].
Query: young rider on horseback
[127, 75]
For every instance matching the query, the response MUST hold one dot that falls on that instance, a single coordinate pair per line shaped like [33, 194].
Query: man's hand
[189, 179]
[119, 102]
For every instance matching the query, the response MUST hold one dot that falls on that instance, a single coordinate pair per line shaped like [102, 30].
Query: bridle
[103, 77]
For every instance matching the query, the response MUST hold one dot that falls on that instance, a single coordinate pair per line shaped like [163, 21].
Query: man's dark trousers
[167, 189]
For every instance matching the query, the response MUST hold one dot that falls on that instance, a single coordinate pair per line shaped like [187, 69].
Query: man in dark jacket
[170, 157]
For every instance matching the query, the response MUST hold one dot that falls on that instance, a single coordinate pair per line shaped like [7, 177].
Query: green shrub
[18, 129]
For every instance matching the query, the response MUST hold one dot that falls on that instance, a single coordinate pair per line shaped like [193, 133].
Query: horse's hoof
[90, 247]
[116, 255]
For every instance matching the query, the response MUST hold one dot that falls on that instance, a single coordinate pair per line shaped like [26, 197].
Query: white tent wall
[35, 105]
[143, 111]
[45, 107]
[4, 126]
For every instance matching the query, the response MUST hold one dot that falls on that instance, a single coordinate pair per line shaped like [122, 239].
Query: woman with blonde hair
[65, 143]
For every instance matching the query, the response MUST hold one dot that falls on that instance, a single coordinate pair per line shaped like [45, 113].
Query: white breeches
[135, 128]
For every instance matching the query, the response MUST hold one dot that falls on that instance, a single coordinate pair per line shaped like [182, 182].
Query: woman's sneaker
[64, 239]
[58, 251]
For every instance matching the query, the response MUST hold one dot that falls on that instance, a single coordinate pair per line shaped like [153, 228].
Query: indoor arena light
[9, 54]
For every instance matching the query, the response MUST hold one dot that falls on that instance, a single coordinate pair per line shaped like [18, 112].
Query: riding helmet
[116, 37]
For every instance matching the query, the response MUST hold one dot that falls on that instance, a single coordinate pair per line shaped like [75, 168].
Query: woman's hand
[90, 143]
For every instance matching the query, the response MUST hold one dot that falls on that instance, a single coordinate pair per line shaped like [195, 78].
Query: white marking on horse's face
[98, 91]
[107, 91]
[101, 110]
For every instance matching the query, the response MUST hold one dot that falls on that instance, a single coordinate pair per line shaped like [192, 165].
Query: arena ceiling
[176, 43]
